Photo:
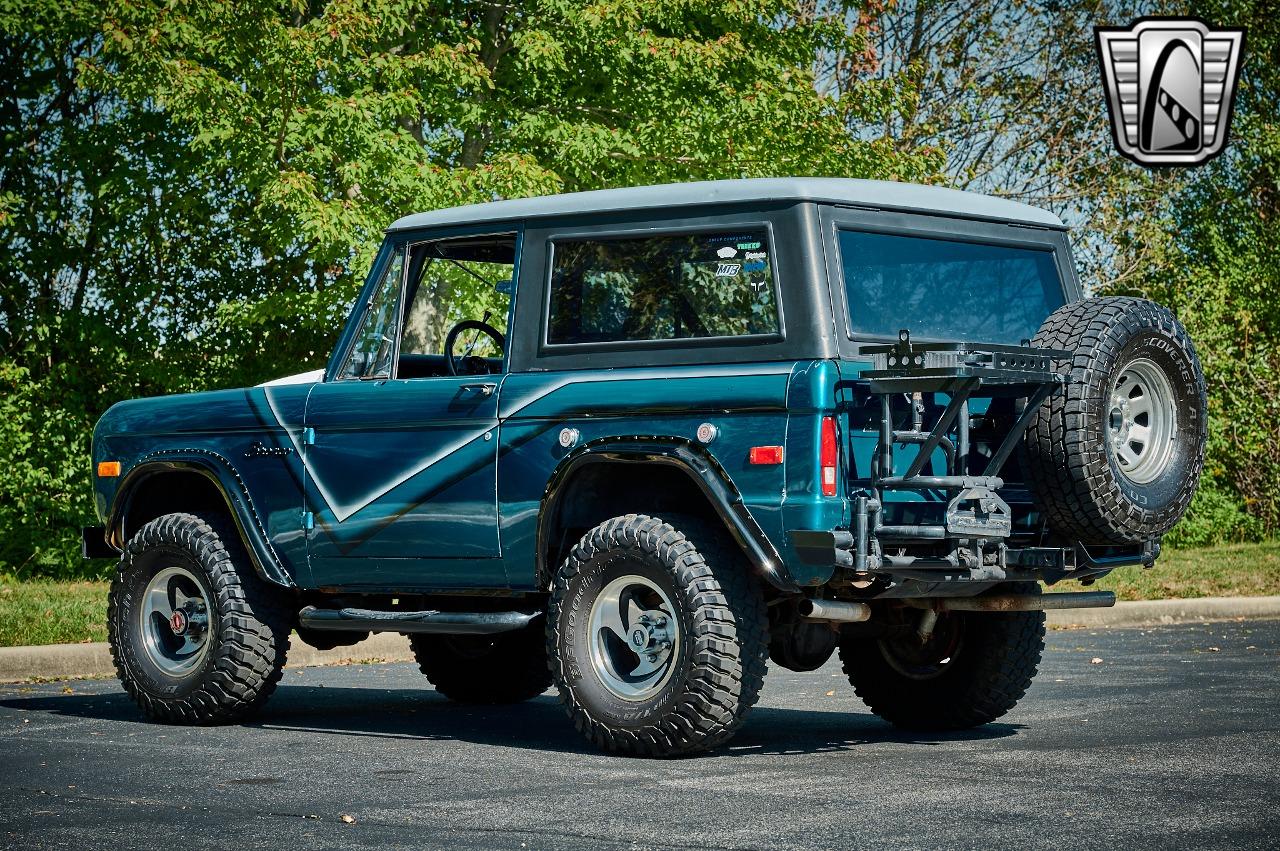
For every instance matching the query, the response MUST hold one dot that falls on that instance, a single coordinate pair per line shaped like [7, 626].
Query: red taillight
[766, 455]
[828, 456]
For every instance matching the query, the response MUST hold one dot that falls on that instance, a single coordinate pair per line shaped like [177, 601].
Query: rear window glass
[667, 287]
[944, 289]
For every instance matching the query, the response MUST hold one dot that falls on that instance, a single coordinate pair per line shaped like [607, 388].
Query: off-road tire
[996, 662]
[505, 668]
[1070, 465]
[724, 625]
[248, 630]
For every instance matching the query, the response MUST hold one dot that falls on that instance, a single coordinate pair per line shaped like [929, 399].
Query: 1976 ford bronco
[637, 442]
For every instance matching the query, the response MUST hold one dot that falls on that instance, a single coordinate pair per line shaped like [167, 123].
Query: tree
[190, 193]
[1216, 261]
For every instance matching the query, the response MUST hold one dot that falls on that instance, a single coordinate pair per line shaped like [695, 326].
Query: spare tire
[1114, 456]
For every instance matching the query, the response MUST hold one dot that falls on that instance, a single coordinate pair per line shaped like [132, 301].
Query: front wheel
[658, 636]
[196, 636]
[974, 667]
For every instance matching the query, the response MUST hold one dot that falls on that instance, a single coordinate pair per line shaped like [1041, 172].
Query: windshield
[944, 289]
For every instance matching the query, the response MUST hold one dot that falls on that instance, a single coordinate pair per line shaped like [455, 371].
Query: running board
[452, 623]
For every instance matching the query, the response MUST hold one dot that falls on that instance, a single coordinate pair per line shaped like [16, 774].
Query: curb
[1161, 612]
[74, 661]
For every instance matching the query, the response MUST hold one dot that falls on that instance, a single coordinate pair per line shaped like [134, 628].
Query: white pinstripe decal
[342, 511]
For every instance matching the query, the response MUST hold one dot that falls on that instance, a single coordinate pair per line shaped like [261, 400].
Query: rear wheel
[197, 637]
[658, 636]
[974, 668]
[504, 668]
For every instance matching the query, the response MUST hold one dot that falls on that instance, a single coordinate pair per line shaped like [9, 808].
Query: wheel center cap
[639, 637]
[1118, 418]
[178, 622]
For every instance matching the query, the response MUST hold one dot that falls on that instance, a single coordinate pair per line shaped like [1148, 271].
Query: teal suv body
[637, 443]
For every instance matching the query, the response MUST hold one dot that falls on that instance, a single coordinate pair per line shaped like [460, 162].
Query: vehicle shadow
[538, 724]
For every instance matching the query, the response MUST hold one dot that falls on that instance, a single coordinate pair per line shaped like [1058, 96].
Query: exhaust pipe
[1019, 602]
[834, 610]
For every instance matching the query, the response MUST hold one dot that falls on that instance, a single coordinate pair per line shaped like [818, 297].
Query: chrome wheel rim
[174, 621]
[634, 638]
[1141, 421]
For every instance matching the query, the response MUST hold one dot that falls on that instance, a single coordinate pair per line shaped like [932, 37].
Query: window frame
[620, 234]
[369, 295]
[403, 242]
[409, 245]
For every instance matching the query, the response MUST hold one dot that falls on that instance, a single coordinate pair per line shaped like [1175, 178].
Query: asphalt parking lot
[1171, 740]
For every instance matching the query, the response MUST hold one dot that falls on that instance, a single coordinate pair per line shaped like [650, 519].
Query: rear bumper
[839, 548]
[93, 543]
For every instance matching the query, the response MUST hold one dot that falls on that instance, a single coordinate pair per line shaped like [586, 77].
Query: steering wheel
[466, 363]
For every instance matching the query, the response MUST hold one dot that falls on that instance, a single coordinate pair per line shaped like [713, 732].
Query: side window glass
[457, 306]
[456, 281]
[374, 347]
[662, 288]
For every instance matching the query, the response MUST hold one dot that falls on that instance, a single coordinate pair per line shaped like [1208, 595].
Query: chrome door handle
[482, 389]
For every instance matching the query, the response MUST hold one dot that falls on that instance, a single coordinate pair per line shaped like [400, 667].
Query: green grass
[42, 611]
[1238, 570]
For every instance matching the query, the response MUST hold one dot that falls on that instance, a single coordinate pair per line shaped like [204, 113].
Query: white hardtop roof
[882, 194]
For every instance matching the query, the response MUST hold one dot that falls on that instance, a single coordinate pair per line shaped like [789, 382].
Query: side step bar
[453, 623]
[1018, 602]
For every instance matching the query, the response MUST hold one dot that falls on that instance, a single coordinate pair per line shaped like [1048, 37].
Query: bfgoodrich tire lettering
[1078, 480]
[247, 624]
[719, 636]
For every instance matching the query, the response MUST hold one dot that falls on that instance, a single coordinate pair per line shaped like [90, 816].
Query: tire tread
[730, 634]
[253, 618]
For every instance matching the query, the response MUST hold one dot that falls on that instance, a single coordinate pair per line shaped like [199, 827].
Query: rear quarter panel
[746, 403]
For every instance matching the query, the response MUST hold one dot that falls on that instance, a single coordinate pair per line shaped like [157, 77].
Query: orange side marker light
[108, 469]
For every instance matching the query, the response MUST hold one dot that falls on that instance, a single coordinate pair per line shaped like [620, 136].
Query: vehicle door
[400, 442]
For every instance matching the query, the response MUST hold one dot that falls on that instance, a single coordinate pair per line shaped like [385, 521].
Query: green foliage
[191, 192]
[1217, 516]
[44, 452]
[1210, 249]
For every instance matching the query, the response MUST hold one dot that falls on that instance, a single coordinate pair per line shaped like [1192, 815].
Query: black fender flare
[222, 474]
[711, 479]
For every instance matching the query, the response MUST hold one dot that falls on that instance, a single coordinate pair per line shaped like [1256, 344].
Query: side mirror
[505, 287]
